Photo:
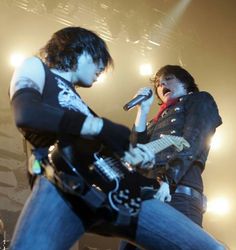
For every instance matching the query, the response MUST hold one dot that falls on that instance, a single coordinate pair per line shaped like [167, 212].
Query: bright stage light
[16, 59]
[216, 141]
[102, 77]
[219, 206]
[145, 69]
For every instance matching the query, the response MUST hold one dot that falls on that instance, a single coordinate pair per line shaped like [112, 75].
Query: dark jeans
[191, 207]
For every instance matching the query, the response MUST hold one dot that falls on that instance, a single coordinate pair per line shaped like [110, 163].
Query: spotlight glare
[16, 59]
[145, 69]
[101, 78]
[215, 142]
[219, 206]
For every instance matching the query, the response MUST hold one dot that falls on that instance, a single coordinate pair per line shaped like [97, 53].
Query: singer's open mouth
[165, 91]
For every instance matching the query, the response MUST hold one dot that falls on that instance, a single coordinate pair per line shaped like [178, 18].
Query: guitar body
[122, 184]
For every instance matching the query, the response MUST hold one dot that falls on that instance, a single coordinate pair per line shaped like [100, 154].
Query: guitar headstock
[179, 142]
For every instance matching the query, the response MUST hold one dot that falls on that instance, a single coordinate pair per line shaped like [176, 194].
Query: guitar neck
[159, 144]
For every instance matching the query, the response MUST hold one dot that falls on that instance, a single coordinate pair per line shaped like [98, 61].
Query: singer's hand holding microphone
[144, 99]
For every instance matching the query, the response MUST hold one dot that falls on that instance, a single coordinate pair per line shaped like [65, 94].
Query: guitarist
[62, 206]
[184, 112]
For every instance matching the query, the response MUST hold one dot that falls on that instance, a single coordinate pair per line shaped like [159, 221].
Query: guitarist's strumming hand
[140, 156]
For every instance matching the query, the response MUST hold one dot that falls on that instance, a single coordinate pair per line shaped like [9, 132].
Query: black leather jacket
[194, 117]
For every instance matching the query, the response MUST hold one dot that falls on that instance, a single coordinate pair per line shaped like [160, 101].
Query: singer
[186, 112]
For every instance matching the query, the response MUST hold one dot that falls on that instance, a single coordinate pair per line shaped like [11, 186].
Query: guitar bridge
[103, 168]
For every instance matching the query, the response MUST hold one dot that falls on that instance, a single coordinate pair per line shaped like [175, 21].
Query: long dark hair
[65, 45]
[180, 73]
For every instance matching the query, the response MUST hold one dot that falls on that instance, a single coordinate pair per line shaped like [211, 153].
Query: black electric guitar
[123, 184]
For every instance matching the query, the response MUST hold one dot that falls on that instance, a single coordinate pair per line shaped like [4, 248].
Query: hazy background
[200, 35]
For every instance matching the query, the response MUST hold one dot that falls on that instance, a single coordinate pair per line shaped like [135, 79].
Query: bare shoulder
[30, 74]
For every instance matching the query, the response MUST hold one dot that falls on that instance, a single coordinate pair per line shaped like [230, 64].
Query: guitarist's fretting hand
[141, 156]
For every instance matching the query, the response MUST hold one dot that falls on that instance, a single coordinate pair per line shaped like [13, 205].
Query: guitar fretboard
[159, 144]
[163, 143]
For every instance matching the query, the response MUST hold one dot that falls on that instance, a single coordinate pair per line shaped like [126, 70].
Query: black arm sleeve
[31, 113]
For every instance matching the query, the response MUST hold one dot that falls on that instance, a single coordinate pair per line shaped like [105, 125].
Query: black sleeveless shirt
[60, 94]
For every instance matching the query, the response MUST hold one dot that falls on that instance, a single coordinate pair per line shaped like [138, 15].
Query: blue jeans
[191, 207]
[48, 223]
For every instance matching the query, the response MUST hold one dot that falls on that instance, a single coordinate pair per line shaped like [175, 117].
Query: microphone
[137, 100]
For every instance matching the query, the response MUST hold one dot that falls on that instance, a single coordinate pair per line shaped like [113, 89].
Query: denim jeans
[191, 207]
[48, 223]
